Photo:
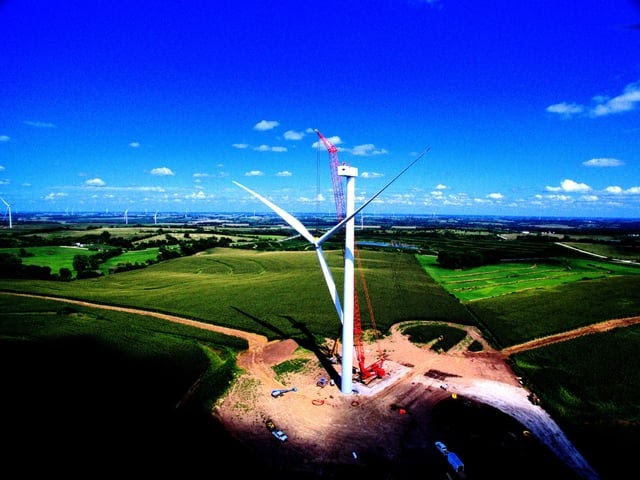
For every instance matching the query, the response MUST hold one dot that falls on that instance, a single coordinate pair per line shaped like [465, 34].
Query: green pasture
[511, 277]
[610, 250]
[62, 257]
[132, 257]
[53, 257]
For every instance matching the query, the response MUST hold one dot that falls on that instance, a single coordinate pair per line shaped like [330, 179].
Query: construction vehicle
[280, 393]
[366, 373]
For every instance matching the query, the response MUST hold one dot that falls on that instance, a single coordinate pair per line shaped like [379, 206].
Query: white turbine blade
[5, 202]
[333, 230]
[287, 217]
[333, 291]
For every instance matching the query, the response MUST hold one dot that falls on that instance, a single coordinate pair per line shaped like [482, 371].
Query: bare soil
[328, 428]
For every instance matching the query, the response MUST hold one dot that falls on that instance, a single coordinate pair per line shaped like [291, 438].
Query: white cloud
[134, 144]
[95, 182]
[264, 125]
[293, 135]
[590, 198]
[367, 149]
[622, 103]
[162, 172]
[613, 189]
[1, 168]
[561, 198]
[240, 146]
[267, 148]
[200, 175]
[254, 173]
[568, 185]
[4, 138]
[371, 175]
[495, 196]
[198, 195]
[55, 196]
[564, 108]
[440, 186]
[603, 162]
[284, 173]
[604, 105]
[633, 190]
[571, 186]
[39, 124]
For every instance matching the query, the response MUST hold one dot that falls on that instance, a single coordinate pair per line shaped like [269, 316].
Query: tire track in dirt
[571, 334]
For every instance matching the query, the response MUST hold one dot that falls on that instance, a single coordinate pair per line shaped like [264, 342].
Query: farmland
[540, 289]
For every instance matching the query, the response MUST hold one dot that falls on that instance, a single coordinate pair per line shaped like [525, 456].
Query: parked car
[275, 431]
[442, 448]
[280, 435]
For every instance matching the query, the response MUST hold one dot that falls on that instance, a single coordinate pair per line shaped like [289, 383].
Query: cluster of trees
[457, 259]
[11, 267]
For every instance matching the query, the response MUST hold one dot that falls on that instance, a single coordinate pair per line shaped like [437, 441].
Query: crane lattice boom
[338, 191]
[375, 370]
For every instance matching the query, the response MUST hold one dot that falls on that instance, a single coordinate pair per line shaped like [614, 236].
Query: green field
[271, 293]
[62, 257]
[510, 277]
[53, 257]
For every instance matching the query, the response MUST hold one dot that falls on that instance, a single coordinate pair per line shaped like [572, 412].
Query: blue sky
[528, 108]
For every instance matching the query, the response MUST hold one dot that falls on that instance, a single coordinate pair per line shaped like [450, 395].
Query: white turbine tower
[8, 210]
[126, 219]
[347, 315]
[155, 218]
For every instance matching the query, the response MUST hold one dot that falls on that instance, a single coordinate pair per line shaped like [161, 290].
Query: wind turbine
[9, 210]
[346, 315]
[155, 218]
[126, 219]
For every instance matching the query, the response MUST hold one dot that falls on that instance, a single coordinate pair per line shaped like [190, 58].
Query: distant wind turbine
[155, 217]
[9, 210]
[126, 220]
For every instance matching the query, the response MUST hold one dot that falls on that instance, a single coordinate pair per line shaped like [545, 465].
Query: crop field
[94, 374]
[510, 277]
[271, 293]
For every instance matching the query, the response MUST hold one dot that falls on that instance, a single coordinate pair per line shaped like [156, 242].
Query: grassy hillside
[272, 293]
[89, 388]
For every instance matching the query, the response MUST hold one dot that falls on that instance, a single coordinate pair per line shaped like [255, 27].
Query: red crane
[375, 370]
[338, 191]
